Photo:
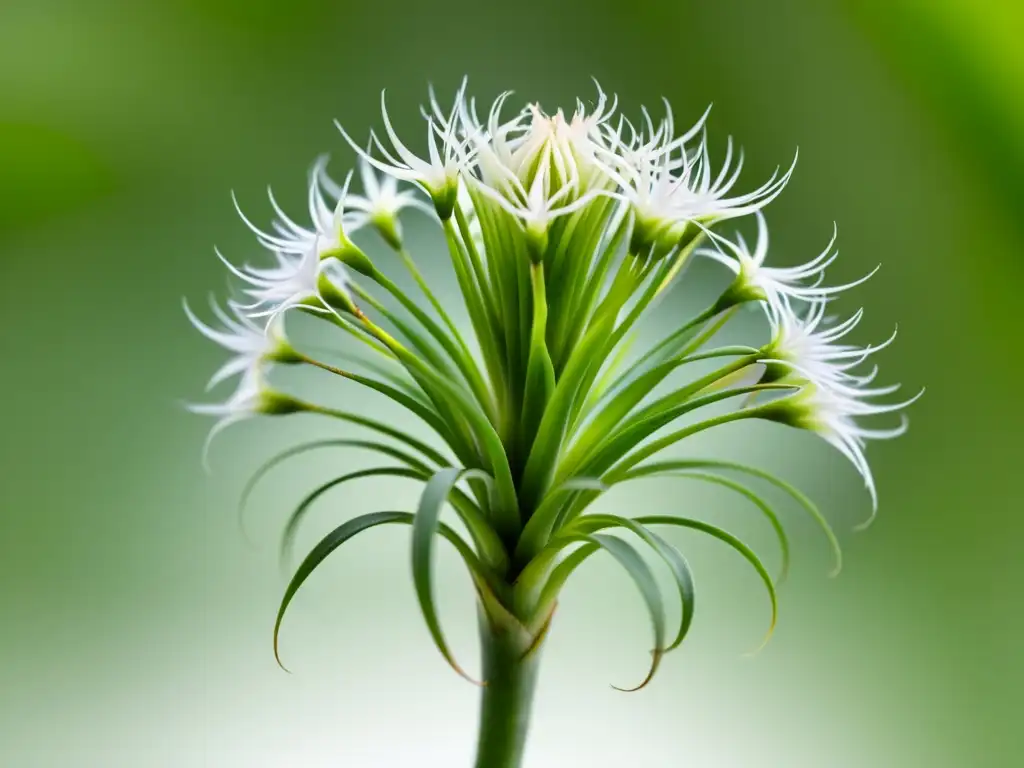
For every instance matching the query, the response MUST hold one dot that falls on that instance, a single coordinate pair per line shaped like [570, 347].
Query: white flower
[380, 204]
[439, 175]
[244, 402]
[642, 164]
[776, 286]
[669, 185]
[535, 157]
[254, 350]
[252, 346]
[330, 224]
[536, 206]
[832, 413]
[251, 397]
[832, 398]
[295, 280]
[811, 345]
[699, 197]
[569, 146]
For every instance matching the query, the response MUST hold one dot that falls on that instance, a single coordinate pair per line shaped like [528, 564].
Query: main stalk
[510, 667]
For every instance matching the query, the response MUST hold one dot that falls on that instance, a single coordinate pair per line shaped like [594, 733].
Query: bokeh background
[136, 618]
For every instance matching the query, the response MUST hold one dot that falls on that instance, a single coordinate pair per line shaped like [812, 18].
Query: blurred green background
[135, 625]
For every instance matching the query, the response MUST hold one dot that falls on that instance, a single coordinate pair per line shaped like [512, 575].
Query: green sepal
[352, 256]
[389, 228]
[334, 297]
[272, 403]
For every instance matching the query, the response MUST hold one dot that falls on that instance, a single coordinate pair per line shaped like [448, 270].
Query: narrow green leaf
[673, 558]
[507, 506]
[345, 532]
[724, 536]
[759, 502]
[544, 520]
[540, 373]
[414, 337]
[628, 397]
[371, 445]
[291, 527]
[394, 377]
[801, 498]
[425, 526]
[627, 556]
[476, 302]
[574, 320]
[411, 403]
[458, 354]
[612, 455]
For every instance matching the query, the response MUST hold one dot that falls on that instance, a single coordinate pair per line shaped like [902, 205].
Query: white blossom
[776, 286]
[295, 280]
[330, 223]
[250, 398]
[536, 206]
[439, 174]
[832, 397]
[669, 185]
[379, 205]
[251, 345]
[381, 198]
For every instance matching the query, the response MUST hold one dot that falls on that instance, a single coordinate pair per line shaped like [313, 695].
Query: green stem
[510, 674]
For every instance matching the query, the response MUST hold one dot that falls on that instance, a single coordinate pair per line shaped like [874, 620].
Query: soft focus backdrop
[136, 619]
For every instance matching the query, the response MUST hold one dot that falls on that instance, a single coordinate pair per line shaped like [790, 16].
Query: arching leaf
[627, 556]
[483, 536]
[295, 519]
[426, 524]
[801, 498]
[344, 533]
[724, 536]
[371, 445]
[760, 503]
[681, 573]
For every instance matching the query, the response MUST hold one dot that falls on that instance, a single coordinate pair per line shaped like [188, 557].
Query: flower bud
[271, 403]
[352, 256]
[389, 228]
[536, 242]
[740, 291]
[335, 297]
[444, 199]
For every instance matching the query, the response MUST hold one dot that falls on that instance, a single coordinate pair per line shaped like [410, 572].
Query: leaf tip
[277, 653]
[657, 653]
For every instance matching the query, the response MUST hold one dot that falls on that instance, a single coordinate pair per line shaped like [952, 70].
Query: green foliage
[551, 411]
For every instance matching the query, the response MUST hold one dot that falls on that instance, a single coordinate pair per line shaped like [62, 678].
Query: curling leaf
[760, 503]
[425, 525]
[673, 558]
[347, 531]
[627, 556]
[724, 536]
[279, 458]
[799, 496]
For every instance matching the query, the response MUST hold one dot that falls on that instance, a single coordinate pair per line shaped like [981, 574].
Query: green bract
[562, 234]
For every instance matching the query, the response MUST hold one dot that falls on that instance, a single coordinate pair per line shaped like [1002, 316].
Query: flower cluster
[562, 231]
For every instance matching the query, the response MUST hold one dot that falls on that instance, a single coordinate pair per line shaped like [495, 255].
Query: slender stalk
[510, 674]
